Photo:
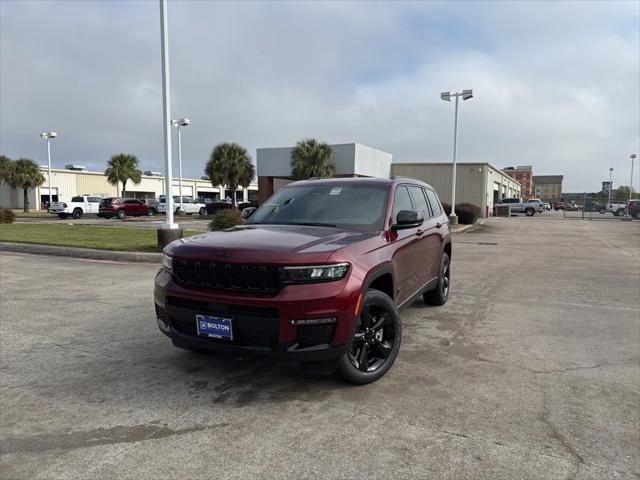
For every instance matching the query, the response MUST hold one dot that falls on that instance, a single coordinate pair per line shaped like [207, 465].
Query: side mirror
[247, 212]
[407, 219]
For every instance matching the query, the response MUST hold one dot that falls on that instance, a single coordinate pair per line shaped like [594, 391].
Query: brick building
[523, 174]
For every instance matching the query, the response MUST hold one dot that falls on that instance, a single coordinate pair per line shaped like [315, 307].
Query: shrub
[467, 213]
[7, 216]
[227, 218]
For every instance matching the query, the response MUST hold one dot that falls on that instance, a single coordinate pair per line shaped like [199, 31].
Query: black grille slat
[227, 276]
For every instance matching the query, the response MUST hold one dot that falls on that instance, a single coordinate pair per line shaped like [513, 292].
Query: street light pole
[446, 96]
[48, 136]
[166, 115]
[182, 122]
[610, 186]
[633, 157]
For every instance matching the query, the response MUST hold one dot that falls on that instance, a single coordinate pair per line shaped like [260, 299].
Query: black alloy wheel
[77, 213]
[439, 295]
[376, 340]
[530, 212]
[121, 214]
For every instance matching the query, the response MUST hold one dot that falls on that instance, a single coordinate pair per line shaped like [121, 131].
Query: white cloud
[556, 86]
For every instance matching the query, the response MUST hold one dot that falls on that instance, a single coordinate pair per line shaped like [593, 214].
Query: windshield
[354, 207]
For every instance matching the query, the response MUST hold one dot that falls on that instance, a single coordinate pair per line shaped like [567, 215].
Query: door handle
[438, 225]
[419, 233]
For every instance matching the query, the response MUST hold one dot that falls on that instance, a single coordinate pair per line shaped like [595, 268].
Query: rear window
[106, 201]
[77, 199]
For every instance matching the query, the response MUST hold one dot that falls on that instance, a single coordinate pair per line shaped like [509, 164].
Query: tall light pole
[446, 96]
[610, 186]
[181, 122]
[633, 157]
[48, 136]
[166, 115]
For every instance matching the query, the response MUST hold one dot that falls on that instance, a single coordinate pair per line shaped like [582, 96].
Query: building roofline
[155, 177]
[449, 163]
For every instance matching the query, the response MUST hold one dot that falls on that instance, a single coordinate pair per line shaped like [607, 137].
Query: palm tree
[123, 167]
[5, 168]
[311, 158]
[25, 174]
[230, 165]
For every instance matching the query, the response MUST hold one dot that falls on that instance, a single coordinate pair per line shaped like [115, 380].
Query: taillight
[64, 205]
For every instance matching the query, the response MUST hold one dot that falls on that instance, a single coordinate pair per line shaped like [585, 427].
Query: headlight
[167, 262]
[315, 273]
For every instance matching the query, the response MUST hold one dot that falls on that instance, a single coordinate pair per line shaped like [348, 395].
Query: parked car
[189, 205]
[123, 207]
[216, 205]
[546, 206]
[318, 275]
[78, 206]
[633, 207]
[518, 205]
[558, 206]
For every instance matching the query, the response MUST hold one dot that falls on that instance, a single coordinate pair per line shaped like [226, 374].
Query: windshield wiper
[315, 224]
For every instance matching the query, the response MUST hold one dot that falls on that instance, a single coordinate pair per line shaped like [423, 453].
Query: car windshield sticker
[335, 191]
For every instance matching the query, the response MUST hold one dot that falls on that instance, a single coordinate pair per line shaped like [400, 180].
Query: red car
[123, 207]
[317, 275]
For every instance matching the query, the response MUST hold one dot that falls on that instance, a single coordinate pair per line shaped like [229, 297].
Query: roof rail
[394, 177]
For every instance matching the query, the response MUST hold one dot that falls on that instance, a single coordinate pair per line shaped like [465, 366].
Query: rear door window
[434, 201]
[77, 199]
[401, 201]
[419, 201]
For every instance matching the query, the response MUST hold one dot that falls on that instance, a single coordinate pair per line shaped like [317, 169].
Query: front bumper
[262, 323]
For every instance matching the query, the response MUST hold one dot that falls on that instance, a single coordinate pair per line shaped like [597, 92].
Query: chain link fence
[593, 207]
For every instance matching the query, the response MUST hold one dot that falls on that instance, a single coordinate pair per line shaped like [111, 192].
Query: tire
[202, 212]
[107, 217]
[602, 211]
[530, 212]
[636, 215]
[439, 295]
[376, 340]
[122, 214]
[77, 213]
[151, 212]
[62, 215]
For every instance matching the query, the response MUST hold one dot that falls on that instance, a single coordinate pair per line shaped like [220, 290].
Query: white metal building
[66, 183]
[479, 183]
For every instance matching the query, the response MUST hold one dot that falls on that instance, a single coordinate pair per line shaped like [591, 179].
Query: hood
[276, 244]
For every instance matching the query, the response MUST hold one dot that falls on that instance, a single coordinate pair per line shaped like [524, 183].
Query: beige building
[479, 183]
[548, 188]
[66, 183]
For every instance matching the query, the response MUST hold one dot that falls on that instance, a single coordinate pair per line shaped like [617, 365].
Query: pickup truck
[77, 207]
[616, 208]
[518, 205]
[189, 205]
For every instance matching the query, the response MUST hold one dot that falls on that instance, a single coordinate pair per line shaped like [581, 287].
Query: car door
[93, 204]
[431, 239]
[407, 251]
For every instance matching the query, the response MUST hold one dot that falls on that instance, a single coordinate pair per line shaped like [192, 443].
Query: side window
[419, 201]
[401, 201]
[131, 202]
[94, 199]
[435, 202]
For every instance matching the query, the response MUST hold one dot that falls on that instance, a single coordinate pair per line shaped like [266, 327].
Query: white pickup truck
[518, 205]
[189, 205]
[78, 206]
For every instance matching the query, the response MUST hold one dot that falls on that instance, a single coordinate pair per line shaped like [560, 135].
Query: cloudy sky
[557, 85]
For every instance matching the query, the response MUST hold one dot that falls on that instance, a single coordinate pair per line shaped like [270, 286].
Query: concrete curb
[466, 228]
[77, 252]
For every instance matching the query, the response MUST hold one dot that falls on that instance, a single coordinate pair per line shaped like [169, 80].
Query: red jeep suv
[316, 275]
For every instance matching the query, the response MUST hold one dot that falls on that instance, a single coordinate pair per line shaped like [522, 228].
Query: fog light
[313, 321]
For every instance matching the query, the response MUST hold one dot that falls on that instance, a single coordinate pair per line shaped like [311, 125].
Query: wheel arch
[382, 278]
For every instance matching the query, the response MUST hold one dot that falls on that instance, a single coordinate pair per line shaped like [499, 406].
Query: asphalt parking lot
[532, 370]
